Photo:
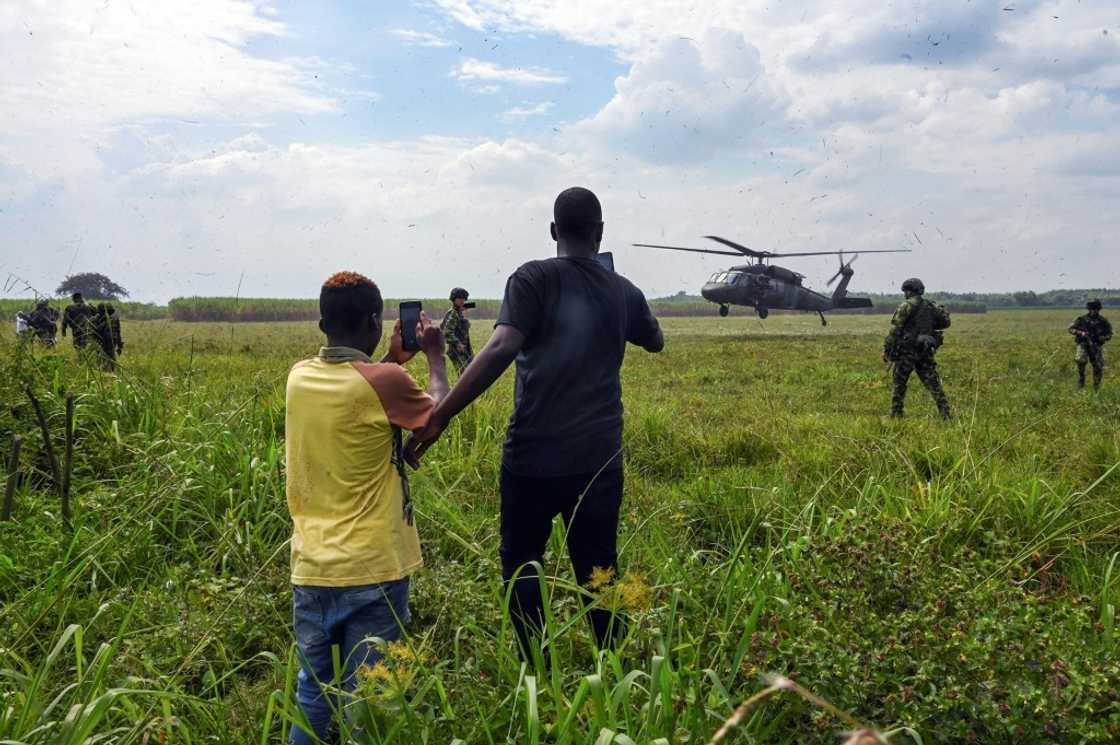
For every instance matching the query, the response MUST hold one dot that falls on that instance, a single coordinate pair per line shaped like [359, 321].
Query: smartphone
[410, 319]
[606, 259]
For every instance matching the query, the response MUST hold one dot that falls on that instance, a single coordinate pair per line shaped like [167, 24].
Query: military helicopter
[765, 286]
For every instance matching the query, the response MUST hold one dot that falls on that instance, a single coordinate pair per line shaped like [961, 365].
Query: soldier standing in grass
[79, 317]
[917, 331]
[44, 322]
[457, 330]
[1091, 331]
[102, 335]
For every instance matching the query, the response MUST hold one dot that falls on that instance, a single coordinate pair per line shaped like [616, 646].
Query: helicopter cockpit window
[732, 277]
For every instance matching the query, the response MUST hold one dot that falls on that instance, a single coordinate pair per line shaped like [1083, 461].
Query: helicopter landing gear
[723, 311]
[824, 321]
[763, 312]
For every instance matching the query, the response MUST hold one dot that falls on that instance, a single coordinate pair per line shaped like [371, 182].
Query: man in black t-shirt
[566, 321]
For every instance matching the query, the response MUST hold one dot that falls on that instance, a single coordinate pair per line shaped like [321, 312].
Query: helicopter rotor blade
[743, 250]
[836, 253]
[690, 250]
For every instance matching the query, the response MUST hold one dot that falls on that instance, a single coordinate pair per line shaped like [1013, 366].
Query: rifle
[1091, 343]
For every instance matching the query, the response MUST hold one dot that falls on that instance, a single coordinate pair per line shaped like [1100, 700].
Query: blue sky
[184, 149]
[407, 54]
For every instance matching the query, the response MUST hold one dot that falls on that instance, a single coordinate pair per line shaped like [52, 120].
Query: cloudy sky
[184, 147]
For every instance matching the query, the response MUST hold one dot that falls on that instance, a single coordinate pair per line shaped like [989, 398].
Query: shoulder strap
[398, 461]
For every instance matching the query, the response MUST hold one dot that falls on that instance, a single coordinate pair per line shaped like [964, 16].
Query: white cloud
[525, 112]
[414, 38]
[473, 70]
[785, 125]
[70, 64]
[688, 99]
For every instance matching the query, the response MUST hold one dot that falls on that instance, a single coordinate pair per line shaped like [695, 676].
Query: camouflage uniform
[911, 345]
[457, 331]
[1090, 332]
[79, 317]
[106, 333]
[44, 322]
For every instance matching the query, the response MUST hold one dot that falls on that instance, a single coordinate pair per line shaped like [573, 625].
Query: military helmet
[914, 285]
[459, 292]
[1093, 304]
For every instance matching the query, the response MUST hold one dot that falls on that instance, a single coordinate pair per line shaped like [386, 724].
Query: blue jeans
[346, 617]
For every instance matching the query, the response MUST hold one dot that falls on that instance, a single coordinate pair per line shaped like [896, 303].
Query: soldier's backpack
[941, 319]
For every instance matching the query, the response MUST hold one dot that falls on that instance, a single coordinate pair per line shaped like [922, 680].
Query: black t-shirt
[576, 317]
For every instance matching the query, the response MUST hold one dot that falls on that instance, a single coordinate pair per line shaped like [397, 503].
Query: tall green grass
[134, 311]
[944, 582]
[291, 309]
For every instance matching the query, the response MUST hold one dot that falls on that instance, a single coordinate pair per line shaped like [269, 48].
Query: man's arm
[432, 344]
[488, 366]
[643, 328]
[65, 320]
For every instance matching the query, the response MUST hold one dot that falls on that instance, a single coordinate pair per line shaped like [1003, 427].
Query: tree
[93, 286]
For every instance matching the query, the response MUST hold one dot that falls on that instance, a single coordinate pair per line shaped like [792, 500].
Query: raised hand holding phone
[421, 331]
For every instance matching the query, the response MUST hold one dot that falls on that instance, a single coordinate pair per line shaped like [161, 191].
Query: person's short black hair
[577, 213]
[76, 296]
[347, 297]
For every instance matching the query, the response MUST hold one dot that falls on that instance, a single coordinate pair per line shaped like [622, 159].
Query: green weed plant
[930, 582]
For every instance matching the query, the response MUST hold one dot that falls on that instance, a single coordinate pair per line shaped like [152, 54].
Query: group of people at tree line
[566, 322]
[94, 328]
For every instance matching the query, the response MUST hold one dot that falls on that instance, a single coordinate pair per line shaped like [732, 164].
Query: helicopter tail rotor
[845, 269]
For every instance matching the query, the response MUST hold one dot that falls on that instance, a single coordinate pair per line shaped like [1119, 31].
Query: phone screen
[606, 259]
[410, 319]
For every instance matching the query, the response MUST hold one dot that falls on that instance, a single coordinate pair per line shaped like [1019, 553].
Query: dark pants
[926, 367]
[1094, 357]
[107, 356]
[589, 506]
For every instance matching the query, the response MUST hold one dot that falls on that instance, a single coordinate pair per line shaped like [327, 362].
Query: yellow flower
[600, 578]
[400, 652]
[375, 674]
[633, 593]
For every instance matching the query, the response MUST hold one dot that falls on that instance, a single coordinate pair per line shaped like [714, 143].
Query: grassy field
[942, 583]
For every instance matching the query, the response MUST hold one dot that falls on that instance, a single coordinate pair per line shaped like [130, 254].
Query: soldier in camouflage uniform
[457, 330]
[79, 317]
[915, 335]
[44, 322]
[1091, 331]
[106, 335]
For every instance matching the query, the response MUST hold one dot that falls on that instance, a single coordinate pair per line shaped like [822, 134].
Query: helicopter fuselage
[766, 286]
[763, 287]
